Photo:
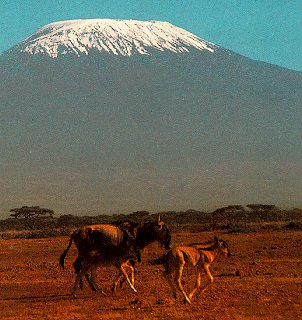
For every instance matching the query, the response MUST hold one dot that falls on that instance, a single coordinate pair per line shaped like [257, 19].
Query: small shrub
[293, 225]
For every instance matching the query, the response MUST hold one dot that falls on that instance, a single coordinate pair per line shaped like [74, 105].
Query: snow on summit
[118, 37]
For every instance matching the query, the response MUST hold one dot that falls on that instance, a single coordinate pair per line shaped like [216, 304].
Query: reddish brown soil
[262, 280]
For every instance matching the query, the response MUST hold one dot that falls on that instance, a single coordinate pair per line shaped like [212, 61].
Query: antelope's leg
[197, 286]
[177, 280]
[122, 270]
[123, 279]
[207, 271]
[132, 272]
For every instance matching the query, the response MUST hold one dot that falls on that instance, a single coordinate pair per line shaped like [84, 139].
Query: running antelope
[199, 256]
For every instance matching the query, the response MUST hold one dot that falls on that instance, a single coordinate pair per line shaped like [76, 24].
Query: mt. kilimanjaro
[104, 116]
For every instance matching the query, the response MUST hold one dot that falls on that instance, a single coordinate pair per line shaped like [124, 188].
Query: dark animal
[98, 240]
[118, 256]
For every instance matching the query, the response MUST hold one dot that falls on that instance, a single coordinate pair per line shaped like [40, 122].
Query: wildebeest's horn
[158, 219]
[159, 222]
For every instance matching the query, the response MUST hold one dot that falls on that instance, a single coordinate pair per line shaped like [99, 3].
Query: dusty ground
[268, 285]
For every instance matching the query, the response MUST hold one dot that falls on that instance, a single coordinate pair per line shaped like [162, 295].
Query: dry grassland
[262, 280]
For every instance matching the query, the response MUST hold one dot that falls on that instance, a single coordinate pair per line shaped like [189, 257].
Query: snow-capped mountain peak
[118, 37]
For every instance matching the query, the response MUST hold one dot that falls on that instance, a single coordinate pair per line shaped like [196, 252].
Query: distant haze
[106, 116]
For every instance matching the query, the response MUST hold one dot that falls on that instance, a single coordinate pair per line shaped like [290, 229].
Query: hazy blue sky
[267, 30]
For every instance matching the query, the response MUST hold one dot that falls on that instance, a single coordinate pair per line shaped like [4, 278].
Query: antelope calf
[199, 256]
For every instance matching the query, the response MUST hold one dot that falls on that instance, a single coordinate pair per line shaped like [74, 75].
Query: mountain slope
[101, 132]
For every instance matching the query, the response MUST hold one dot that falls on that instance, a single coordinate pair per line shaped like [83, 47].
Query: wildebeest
[199, 256]
[105, 238]
[94, 237]
[117, 256]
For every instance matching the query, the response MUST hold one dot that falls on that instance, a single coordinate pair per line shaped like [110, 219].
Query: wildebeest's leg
[117, 280]
[168, 276]
[79, 276]
[177, 280]
[77, 265]
[92, 281]
[94, 286]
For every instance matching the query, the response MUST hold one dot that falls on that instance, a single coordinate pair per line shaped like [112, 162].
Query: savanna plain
[261, 280]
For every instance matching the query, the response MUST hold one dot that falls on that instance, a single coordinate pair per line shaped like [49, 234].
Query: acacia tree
[262, 207]
[225, 212]
[30, 214]
[264, 211]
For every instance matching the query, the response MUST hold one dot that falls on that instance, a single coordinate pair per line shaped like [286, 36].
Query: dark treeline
[231, 218]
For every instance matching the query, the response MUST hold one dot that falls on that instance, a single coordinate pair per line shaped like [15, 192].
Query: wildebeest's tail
[63, 255]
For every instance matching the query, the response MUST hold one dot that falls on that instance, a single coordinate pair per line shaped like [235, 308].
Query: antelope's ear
[216, 239]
